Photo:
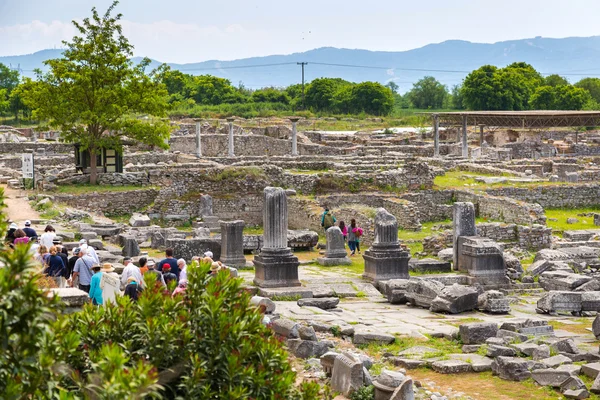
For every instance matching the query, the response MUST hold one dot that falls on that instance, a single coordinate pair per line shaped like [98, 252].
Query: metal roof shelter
[510, 119]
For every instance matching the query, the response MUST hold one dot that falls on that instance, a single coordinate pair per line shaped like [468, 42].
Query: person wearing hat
[10, 235]
[83, 271]
[95, 291]
[132, 289]
[208, 254]
[159, 275]
[168, 276]
[130, 270]
[29, 231]
[110, 284]
[90, 250]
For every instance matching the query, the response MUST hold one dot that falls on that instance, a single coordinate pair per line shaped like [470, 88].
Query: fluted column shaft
[275, 218]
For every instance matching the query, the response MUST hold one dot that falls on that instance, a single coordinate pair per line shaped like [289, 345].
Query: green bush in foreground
[209, 344]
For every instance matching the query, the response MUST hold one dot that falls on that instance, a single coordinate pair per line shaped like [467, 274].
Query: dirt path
[17, 207]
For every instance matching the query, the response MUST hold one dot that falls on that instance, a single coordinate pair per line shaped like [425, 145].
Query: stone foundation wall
[505, 209]
[498, 231]
[144, 158]
[559, 196]
[27, 147]
[40, 161]
[110, 203]
[432, 205]
[215, 145]
[562, 169]
[124, 179]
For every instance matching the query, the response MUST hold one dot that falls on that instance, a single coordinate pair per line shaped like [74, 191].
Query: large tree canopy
[428, 93]
[95, 94]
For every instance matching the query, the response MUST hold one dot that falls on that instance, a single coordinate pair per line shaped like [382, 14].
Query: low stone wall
[498, 231]
[144, 158]
[432, 205]
[15, 162]
[216, 145]
[110, 203]
[561, 169]
[124, 179]
[505, 209]
[40, 147]
[556, 196]
[588, 175]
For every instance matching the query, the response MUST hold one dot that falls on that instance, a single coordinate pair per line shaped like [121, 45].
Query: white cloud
[164, 40]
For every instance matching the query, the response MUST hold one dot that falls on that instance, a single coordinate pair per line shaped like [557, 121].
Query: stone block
[451, 367]
[88, 235]
[324, 303]
[590, 301]
[558, 280]
[496, 351]
[455, 299]
[404, 392]
[592, 369]
[327, 361]
[264, 301]
[395, 290]
[565, 346]
[510, 336]
[366, 337]
[573, 383]
[483, 259]
[511, 368]
[493, 302]
[477, 333]
[130, 246]
[541, 352]
[138, 220]
[596, 326]
[576, 394]
[550, 377]
[307, 333]
[390, 378]
[429, 266]
[555, 361]
[232, 243]
[562, 301]
[463, 224]
[306, 348]
[347, 375]
[286, 328]
[70, 297]
[421, 292]
[526, 348]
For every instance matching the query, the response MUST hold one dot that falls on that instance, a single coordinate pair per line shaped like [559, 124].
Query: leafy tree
[270, 95]
[564, 97]
[4, 100]
[480, 89]
[555, 80]
[393, 86]
[592, 85]
[95, 94]
[509, 88]
[320, 94]
[428, 93]
[457, 98]
[212, 90]
[9, 79]
[371, 98]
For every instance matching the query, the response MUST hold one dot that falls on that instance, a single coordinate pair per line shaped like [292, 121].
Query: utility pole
[303, 101]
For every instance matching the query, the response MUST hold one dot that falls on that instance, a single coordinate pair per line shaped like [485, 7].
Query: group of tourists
[352, 233]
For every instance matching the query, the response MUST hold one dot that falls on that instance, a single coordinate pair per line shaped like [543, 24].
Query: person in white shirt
[131, 270]
[90, 250]
[47, 238]
[182, 269]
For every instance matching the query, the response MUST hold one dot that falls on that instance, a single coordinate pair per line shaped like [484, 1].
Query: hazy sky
[183, 31]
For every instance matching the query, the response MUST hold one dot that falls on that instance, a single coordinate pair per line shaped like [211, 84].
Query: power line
[236, 67]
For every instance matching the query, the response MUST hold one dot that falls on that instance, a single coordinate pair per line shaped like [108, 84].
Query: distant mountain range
[449, 62]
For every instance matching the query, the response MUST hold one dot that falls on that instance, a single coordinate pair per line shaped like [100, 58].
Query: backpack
[358, 232]
[328, 221]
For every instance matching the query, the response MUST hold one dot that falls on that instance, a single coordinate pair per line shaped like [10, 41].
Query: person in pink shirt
[21, 237]
[344, 229]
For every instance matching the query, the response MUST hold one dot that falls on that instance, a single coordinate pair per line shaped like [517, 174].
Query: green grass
[82, 189]
[563, 214]
[458, 179]
[253, 230]
[443, 347]
[414, 239]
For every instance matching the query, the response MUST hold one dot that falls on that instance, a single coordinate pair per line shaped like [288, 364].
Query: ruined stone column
[335, 253]
[463, 224]
[436, 135]
[232, 243]
[198, 142]
[481, 135]
[386, 259]
[294, 137]
[275, 266]
[465, 144]
[230, 147]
